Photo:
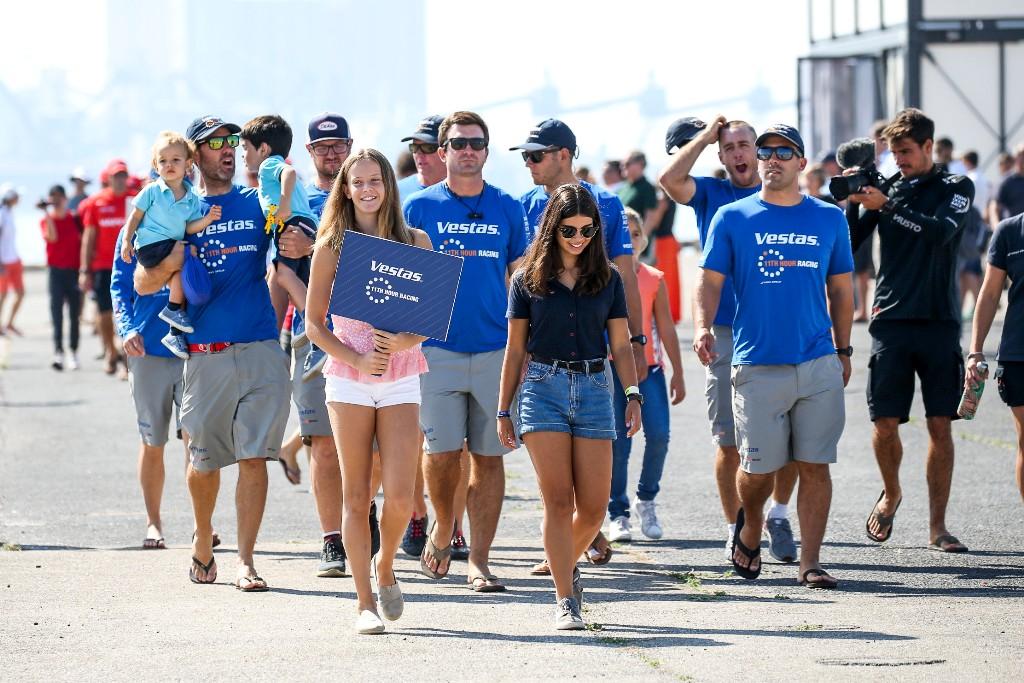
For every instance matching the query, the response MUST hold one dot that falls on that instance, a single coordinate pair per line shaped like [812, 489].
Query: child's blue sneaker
[314, 362]
[176, 344]
[299, 337]
[177, 319]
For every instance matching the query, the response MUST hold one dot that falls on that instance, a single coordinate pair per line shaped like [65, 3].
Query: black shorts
[101, 290]
[902, 348]
[299, 265]
[1010, 382]
[151, 255]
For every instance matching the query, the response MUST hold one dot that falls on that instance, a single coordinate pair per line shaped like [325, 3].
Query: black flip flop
[823, 580]
[948, 543]
[745, 572]
[883, 520]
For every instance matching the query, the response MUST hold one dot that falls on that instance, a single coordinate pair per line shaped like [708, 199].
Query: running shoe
[332, 559]
[647, 511]
[567, 615]
[314, 363]
[415, 537]
[178, 319]
[374, 530]
[58, 361]
[460, 549]
[780, 540]
[175, 343]
[299, 337]
[71, 361]
[619, 530]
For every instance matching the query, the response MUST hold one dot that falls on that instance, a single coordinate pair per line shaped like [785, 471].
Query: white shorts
[373, 394]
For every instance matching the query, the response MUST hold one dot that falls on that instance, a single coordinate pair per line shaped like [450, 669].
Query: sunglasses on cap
[338, 147]
[424, 147]
[569, 231]
[218, 142]
[782, 153]
[476, 144]
[538, 156]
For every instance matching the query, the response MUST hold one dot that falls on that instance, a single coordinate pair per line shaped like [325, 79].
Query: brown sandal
[600, 550]
[439, 554]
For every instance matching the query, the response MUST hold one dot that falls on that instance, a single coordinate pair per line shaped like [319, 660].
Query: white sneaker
[647, 511]
[71, 361]
[369, 623]
[58, 361]
[619, 530]
[728, 543]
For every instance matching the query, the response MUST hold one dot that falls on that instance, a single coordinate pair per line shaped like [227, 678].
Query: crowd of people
[563, 337]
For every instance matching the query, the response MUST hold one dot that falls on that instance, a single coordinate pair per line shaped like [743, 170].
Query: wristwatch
[848, 351]
[640, 339]
[633, 394]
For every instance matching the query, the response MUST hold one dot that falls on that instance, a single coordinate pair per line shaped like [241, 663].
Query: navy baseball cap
[783, 131]
[204, 127]
[328, 126]
[549, 133]
[427, 130]
[681, 131]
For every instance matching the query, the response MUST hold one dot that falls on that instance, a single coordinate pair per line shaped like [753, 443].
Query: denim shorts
[556, 400]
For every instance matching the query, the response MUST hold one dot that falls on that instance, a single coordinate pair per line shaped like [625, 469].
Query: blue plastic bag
[195, 280]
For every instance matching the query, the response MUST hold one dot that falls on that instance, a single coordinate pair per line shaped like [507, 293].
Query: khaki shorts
[788, 412]
[460, 400]
[718, 389]
[155, 383]
[309, 397]
[235, 404]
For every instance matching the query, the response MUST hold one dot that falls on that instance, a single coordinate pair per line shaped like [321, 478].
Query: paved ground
[79, 601]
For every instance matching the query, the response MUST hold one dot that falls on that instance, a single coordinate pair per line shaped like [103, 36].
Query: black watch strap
[848, 351]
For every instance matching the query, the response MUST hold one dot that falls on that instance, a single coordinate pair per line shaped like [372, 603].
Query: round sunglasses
[569, 231]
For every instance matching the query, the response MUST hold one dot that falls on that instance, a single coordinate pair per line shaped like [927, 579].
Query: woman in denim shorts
[562, 300]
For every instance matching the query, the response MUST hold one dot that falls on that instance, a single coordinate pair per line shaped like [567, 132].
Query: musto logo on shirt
[379, 288]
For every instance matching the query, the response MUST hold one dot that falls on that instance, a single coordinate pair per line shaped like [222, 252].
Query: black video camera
[859, 154]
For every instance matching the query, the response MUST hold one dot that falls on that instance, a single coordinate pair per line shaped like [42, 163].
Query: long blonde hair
[339, 212]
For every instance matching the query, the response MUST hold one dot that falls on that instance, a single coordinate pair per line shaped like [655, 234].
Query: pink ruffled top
[358, 336]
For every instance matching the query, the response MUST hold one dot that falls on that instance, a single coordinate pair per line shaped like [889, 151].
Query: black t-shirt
[1006, 252]
[566, 325]
[668, 220]
[919, 234]
[1011, 195]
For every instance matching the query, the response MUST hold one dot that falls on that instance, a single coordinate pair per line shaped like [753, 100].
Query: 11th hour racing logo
[771, 263]
[379, 288]
[456, 247]
[214, 252]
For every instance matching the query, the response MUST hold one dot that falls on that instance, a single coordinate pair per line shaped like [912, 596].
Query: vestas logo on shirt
[395, 271]
[791, 238]
[466, 228]
[227, 226]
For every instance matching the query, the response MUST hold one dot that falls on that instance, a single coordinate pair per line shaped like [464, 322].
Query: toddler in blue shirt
[164, 212]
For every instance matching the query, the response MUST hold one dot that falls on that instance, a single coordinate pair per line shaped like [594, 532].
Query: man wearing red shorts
[10, 264]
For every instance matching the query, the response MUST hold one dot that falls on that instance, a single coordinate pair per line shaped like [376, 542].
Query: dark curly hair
[543, 260]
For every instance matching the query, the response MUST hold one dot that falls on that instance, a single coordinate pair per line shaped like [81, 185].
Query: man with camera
[915, 328]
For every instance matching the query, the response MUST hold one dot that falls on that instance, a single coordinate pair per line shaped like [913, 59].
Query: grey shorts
[459, 401]
[309, 397]
[155, 383]
[718, 389]
[788, 412]
[235, 404]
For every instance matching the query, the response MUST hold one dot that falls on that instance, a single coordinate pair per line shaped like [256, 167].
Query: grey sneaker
[577, 587]
[780, 540]
[389, 598]
[177, 319]
[176, 344]
[314, 363]
[567, 615]
[647, 511]
[332, 560]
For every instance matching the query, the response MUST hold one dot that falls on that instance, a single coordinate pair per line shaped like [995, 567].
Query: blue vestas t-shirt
[779, 258]
[614, 226]
[234, 250]
[317, 199]
[711, 195]
[487, 244]
[408, 186]
[270, 188]
[134, 312]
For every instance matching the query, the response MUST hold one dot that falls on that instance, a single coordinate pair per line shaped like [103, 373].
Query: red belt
[215, 347]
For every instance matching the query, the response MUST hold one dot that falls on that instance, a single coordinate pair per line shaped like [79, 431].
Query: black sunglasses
[218, 142]
[782, 153]
[477, 144]
[538, 156]
[568, 231]
[422, 148]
